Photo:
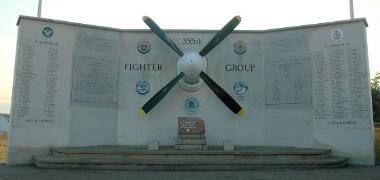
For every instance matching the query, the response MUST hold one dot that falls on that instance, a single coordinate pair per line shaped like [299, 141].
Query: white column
[351, 9]
[39, 8]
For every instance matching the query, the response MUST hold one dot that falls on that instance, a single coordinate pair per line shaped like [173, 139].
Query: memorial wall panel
[79, 85]
[40, 91]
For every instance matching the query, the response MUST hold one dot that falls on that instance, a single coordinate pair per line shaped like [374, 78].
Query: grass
[3, 146]
[377, 141]
[4, 140]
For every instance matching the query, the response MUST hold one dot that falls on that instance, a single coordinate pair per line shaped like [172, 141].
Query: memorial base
[191, 134]
[167, 158]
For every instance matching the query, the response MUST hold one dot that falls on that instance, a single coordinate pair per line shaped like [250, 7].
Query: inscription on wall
[95, 75]
[288, 83]
[51, 82]
[27, 74]
[143, 67]
[239, 67]
[341, 93]
[37, 86]
[287, 69]
[95, 80]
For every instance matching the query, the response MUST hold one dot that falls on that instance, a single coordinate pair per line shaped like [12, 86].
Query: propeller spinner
[191, 63]
[192, 67]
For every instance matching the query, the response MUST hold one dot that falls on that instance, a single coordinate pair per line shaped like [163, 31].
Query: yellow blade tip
[238, 18]
[145, 18]
[240, 113]
[142, 112]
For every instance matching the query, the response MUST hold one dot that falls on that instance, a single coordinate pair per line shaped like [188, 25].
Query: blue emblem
[336, 35]
[47, 31]
[240, 47]
[240, 88]
[191, 105]
[142, 87]
[143, 47]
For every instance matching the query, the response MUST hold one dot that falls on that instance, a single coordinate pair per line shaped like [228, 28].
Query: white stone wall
[308, 88]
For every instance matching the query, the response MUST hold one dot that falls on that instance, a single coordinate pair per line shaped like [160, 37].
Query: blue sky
[176, 14]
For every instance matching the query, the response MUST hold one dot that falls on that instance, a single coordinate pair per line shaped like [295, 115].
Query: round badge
[240, 47]
[47, 31]
[142, 87]
[191, 105]
[336, 34]
[240, 88]
[143, 47]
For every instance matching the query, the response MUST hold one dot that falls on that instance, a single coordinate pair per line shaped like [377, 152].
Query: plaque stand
[191, 134]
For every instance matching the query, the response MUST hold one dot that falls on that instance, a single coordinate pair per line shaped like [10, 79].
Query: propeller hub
[191, 63]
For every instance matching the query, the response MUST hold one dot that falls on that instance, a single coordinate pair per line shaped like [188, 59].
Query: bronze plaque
[190, 125]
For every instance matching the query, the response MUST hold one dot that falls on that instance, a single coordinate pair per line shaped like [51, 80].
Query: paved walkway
[347, 173]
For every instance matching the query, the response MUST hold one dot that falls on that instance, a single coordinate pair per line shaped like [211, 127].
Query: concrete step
[212, 152]
[125, 163]
[167, 158]
[191, 147]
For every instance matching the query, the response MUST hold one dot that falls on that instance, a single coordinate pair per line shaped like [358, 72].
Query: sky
[177, 14]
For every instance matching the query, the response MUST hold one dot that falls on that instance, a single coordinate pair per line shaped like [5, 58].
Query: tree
[375, 93]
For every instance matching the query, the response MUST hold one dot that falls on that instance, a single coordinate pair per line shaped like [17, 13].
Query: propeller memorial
[191, 66]
[85, 85]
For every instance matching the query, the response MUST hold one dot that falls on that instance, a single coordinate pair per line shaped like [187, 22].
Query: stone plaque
[95, 80]
[190, 125]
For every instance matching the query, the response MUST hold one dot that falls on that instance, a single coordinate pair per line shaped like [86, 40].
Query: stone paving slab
[184, 161]
[33, 173]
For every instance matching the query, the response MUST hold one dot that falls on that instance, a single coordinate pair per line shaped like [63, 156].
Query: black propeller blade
[160, 94]
[156, 29]
[223, 33]
[222, 94]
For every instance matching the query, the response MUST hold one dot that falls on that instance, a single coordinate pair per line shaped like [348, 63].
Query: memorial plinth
[191, 134]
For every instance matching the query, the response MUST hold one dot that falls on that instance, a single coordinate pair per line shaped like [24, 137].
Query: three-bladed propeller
[219, 92]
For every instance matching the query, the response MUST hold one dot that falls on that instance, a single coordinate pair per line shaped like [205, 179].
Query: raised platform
[166, 158]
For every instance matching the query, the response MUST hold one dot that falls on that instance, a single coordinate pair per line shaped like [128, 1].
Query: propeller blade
[156, 29]
[222, 94]
[160, 94]
[223, 33]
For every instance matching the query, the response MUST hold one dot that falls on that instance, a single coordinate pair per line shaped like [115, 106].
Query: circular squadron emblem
[47, 31]
[240, 47]
[240, 88]
[336, 34]
[143, 47]
[142, 87]
[191, 105]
